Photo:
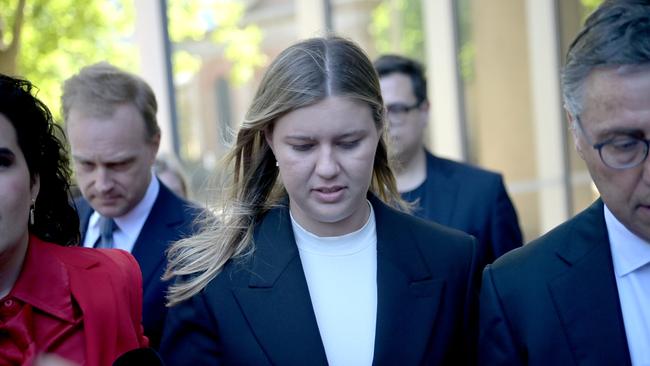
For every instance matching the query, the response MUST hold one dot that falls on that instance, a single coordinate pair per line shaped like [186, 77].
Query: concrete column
[445, 127]
[549, 127]
[310, 18]
[150, 40]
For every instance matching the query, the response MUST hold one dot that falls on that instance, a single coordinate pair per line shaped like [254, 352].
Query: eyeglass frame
[599, 146]
[405, 109]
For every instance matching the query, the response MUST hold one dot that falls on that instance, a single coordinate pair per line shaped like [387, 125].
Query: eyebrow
[353, 133]
[615, 131]
[123, 159]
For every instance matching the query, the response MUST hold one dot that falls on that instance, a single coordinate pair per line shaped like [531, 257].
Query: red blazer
[107, 285]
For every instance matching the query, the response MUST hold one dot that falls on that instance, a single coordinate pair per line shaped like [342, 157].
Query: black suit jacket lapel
[408, 295]
[441, 192]
[586, 295]
[84, 211]
[149, 248]
[276, 302]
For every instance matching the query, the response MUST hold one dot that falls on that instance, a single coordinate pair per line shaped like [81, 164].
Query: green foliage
[397, 27]
[216, 21]
[61, 36]
[590, 5]
[467, 51]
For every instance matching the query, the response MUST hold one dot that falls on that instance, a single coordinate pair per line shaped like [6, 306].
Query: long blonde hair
[301, 75]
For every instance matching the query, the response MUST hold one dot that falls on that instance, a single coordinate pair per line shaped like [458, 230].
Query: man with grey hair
[581, 293]
[110, 118]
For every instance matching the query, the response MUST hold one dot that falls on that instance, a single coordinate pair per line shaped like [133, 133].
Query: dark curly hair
[40, 140]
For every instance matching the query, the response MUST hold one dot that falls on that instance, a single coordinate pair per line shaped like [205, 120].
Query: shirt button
[8, 303]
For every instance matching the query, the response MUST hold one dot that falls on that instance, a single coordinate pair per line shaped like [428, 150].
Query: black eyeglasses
[400, 109]
[620, 152]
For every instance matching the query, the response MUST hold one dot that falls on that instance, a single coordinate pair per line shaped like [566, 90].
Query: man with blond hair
[110, 118]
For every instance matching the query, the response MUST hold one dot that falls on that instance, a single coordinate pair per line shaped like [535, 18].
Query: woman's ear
[268, 136]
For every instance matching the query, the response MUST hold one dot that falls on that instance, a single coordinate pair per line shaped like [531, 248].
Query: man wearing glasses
[581, 293]
[450, 193]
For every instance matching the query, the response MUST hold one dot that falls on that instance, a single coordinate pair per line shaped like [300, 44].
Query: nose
[103, 180]
[393, 119]
[327, 165]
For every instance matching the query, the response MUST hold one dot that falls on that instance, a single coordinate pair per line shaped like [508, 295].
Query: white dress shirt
[341, 275]
[631, 258]
[128, 225]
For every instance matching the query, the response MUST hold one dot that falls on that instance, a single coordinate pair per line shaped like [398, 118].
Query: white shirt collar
[130, 224]
[629, 251]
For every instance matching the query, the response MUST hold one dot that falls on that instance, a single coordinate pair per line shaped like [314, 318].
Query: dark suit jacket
[555, 301]
[472, 200]
[171, 218]
[259, 312]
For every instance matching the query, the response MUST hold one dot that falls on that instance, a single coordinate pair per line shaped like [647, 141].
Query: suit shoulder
[539, 252]
[427, 232]
[82, 206]
[171, 203]
[467, 170]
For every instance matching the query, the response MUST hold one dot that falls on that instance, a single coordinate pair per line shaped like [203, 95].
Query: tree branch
[19, 17]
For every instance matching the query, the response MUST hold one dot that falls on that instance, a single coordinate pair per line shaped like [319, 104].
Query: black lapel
[158, 230]
[276, 302]
[407, 295]
[441, 192]
[84, 211]
[586, 295]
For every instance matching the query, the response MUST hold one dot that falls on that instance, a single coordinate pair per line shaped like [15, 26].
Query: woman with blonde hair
[308, 261]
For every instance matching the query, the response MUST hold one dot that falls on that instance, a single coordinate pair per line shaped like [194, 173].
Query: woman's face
[326, 153]
[16, 191]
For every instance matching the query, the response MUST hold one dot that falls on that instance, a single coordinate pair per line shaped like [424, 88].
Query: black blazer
[555, 301]
[171, 218]
[472, 200]
[259, 312]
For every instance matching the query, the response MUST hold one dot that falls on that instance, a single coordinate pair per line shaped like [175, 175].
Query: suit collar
[84, 210]
[149, 250]
[408, 292]
[277, 293]
[441, 191]
[164, 217]
[588, 233]
[586, 296]
[276, 302]
[275, 246]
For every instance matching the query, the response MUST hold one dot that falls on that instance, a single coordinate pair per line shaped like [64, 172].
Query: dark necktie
[106, 228]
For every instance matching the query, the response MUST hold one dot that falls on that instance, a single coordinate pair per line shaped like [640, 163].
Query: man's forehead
[90, 112]
[103, 157]
[396, 84]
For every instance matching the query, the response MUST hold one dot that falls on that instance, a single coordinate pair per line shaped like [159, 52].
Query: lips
[329, 189]
[106, 200]
[329, 194]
